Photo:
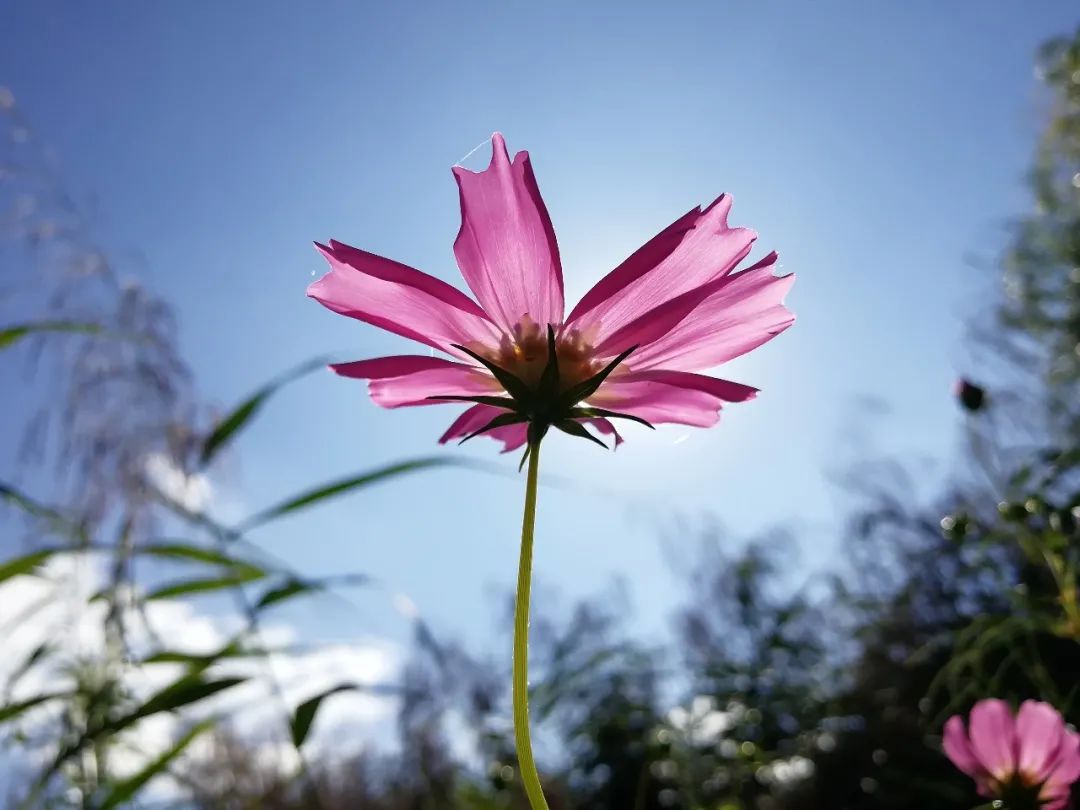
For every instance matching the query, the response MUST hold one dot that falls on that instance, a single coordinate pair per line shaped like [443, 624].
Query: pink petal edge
[512, 436]
[958, 748]
[506, 247]
[670, 397]
[695, 250]
[718, 323]
[399, 299]
[405, 381]
[1066, 769]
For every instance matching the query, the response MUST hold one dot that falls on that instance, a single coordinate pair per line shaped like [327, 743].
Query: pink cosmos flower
[632, 347]
[1028, 760]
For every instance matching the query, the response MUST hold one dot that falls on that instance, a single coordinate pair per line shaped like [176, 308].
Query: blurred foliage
[1040, 310]
[776, 694]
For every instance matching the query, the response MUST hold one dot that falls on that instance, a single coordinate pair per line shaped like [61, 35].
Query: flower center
[547, 377]
[524, 353]
[1020, 791]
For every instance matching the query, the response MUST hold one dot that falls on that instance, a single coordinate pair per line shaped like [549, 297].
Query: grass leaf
[207, 585]
[10, 335]
[246, 410]
[126, 789]
[344, 486]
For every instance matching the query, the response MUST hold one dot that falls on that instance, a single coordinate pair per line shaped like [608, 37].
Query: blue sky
[876, 146]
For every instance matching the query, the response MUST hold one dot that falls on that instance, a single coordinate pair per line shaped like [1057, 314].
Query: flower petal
[399, 298]
[721, 389]
[1055, 798]
[506, 247]
[380, 368]
[958, 748]
[1040, 731]
[713, 324]
[404, 381]
[653, 325]
[641, 261]
[605, 428]
[993, 737]
[512, 436]
[670, 396]
[1066, 769]
[694, 250]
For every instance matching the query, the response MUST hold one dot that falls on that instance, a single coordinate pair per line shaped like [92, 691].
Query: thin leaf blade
[128, 788]
[594, 413]
[502, 420]
[27, 563]
[577, 429]
[304, 716]
[246, 410]
[199, 554]
[13, 710]
[11, 335]
[188, 587]
[344, 486]
[187, 690]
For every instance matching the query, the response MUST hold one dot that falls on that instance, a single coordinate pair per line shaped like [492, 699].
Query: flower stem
[529, 777]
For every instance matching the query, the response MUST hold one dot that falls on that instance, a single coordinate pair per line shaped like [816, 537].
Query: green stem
[529, 777]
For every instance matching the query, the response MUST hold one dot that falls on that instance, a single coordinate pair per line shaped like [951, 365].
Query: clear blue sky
[874, 145]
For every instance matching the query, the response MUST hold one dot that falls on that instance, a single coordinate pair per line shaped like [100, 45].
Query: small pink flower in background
[1029, 760]
[632, 347]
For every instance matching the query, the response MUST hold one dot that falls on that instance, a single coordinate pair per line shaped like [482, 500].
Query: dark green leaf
[579, 430]
[247, 409]
[187, 690]
[494, 402]
[183, 692]
[1021, 477]
[208, 585]
[197, 664]
[592, 413]
[194, 553]
[342, 487]
[126, 789]
[294, 586]
[39, 510]
[13, 710]
[287, 590]
[10, 335]
[306, 711]
[514, 386]
[27, 563]
[549, 380]
[502, 420]
[42, 650]
[536, 434]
